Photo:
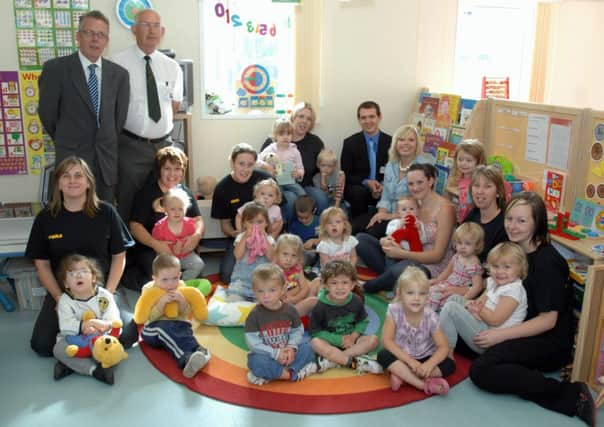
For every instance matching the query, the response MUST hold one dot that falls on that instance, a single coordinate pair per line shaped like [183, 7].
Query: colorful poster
[40, 148]
[12, 141]
[46, 29]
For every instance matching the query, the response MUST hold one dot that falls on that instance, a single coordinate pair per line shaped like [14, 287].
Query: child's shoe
[253, 379]
[325, 364]
[104, 375]
[366, 364]
[308, 369]
[61, 371]
[196, 362]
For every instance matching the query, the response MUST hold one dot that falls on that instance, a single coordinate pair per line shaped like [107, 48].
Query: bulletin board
[537, 138]
[591, 186]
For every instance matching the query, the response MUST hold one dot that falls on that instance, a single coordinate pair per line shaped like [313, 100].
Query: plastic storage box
[30, 293]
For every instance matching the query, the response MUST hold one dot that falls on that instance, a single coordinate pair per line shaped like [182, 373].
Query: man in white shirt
[156, 92]
[84, 102]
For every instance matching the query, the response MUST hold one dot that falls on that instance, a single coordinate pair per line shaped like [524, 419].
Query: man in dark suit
[364, 156]
[84, 103]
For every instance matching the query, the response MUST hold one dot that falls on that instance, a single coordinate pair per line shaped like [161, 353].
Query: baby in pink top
[175, 227]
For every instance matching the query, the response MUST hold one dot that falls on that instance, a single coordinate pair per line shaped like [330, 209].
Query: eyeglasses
[148, 25]
[90, 34]
[75, 273]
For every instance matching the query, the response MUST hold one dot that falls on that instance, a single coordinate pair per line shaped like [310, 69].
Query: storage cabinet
[589, 341]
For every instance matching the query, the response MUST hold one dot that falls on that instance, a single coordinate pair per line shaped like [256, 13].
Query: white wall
[370, 52]
[575, 76]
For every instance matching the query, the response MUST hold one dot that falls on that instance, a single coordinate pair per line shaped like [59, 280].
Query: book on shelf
[431, 144]
[456, 134]
[429, 107]
[441, 178]
[554, 190]
[448, 109]
[465, 111]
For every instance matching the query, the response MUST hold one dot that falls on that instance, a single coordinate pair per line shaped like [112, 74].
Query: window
[494, 39]
[248, 49]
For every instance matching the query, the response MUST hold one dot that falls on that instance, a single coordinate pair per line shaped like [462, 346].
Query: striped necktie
[93, 88]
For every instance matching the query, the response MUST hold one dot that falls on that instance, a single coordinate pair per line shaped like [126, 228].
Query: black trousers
[517, 366]
[359, 197]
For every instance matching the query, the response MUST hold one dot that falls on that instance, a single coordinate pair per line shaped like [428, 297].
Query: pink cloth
[256, 245]
[162, 232]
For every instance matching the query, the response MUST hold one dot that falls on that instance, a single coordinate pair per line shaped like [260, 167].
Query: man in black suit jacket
[66, 103]
[364, 185]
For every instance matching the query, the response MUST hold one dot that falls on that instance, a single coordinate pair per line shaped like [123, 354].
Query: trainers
[586, 408]
[104, 375]
[366, 364]
[325, 364]
[253, 379]
[308, 369]
[196, 362]
[61, 371]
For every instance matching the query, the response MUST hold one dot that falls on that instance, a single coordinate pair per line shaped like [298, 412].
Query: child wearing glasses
[80, 278]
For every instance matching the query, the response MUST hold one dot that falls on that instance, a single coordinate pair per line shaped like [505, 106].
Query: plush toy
[409, 233]
[108, 351]
[206, 186]
[84, 345]
[273, 160]
[152, 294]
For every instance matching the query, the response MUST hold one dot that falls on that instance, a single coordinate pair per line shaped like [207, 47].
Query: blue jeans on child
[290, 194]
[264, 366]
[176, 336]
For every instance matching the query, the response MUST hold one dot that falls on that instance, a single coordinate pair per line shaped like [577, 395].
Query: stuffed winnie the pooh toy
[108, 352]
[151, 294]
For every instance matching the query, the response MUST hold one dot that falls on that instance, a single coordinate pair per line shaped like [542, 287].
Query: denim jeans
[264, 366]
[321, 199]
[389, 269]
[290, 194]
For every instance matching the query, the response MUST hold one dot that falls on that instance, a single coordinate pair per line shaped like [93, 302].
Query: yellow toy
[108, 351]
[151, 294]
[104, 348]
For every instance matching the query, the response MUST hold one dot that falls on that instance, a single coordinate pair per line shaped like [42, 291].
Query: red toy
[410, 234]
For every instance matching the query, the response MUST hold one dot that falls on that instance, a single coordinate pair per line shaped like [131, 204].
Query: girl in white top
[335, 239]
[503, 304]
[268, 194]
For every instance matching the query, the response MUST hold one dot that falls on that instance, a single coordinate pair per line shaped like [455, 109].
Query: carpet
[334, 392]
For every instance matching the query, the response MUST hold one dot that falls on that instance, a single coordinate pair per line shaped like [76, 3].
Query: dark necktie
[152, 97]
[93, 88]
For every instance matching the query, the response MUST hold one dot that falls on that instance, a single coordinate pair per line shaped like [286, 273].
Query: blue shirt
[372, 148]
[305, 232]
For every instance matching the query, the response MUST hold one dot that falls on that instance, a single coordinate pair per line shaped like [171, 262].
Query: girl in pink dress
[463, 274]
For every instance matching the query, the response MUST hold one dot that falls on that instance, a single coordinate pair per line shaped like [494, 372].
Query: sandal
[436, 386]
[395, 382]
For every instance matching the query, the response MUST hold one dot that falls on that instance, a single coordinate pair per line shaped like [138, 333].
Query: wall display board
[12, 141]
[46, 29]
[537, 138]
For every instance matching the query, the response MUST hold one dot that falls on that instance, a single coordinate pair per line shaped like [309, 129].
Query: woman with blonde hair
[405, 150]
